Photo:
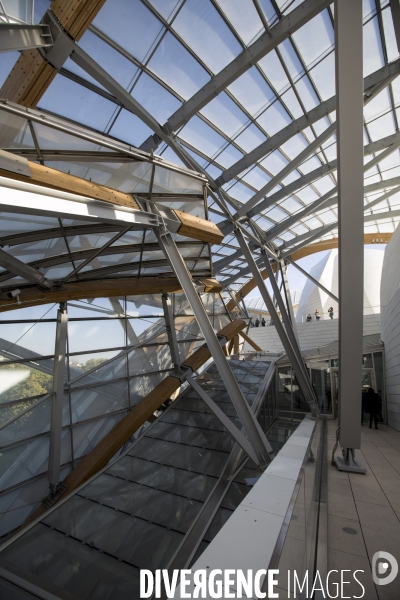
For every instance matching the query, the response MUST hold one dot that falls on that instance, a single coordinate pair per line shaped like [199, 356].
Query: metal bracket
[62, 46]
[55, 492]
[181, 374]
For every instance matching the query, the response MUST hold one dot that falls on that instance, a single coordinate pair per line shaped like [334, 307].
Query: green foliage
[35, 384]
[92, 363]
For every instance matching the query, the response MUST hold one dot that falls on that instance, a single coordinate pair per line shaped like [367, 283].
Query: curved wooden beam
[369, 238]
[104, 288]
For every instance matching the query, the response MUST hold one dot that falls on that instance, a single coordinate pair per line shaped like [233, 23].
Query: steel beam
[250, 56]
[311, 278]
[298, 160]
[395, 8]
[304, 382]
[288, 296]
[252, 428]
[326, 201]
[289, 328]
[226, 422]
[349, 89]
[17, 267]
[373, 82]
[21, 36]
[316, 174]
[290, 167]
[170, 326]
[57, 398]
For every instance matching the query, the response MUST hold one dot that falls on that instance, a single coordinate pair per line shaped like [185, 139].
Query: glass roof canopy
[163, 52]
[65, 248]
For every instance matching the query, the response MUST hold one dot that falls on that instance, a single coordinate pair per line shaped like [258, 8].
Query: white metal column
[350, 152]
[57, 400]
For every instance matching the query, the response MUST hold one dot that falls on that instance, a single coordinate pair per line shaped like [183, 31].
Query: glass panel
[200, 25]
[86, 436]
[21, 339]
[367, 361]
[78, 103]
[21, 380]
[14, 130]
[93, 402]
[131, 25]
[29, 459]
[66, 562]
[9, 590]
[32, 423]
[174, 65]
[95, 335]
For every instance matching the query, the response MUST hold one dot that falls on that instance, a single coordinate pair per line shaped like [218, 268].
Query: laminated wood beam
[58, 180]
[191, 226]
[199, 229]
[103, 288]
[32, 74]
[250, 342]
[122, 432]
[369, 238]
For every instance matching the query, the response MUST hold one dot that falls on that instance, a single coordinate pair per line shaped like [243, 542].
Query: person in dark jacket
[257, 323]
[374, 407]
[263, 322]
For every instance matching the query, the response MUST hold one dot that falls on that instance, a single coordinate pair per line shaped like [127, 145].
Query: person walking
[263, 322]
[330, 312]
[374, 407]
[257, 322]
[317, 315]
[309, 318]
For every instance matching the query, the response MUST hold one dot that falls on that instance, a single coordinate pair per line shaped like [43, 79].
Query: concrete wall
[311, 335]
[390, 326]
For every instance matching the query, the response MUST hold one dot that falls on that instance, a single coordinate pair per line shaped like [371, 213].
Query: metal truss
[267, 42]
[289, 344]
[255, 435]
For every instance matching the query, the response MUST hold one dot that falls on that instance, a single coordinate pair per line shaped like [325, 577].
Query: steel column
[284, 315]
[57, 399]
[170, 326]
[286, 289]
[226, 422]
[349, 106]
[304, 382]
[252, 428]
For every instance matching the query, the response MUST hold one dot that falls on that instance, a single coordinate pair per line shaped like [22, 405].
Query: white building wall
[390, 326]
[326, 272]
[311, 335]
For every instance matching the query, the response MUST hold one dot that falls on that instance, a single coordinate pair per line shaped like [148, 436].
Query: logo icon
[385, 564]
